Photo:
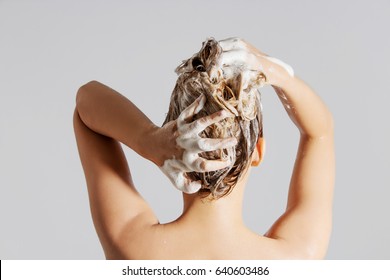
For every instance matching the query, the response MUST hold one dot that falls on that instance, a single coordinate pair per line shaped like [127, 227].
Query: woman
[222, 78]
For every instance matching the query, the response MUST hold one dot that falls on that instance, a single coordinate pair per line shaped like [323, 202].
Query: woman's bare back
[179, 241]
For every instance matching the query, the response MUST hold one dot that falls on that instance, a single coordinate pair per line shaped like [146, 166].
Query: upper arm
[305, 226]
[115, 204]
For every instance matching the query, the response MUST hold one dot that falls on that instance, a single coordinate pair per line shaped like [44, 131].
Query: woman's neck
[225, 211]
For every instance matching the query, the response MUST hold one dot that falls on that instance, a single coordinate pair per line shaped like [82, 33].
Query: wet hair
[232, 88]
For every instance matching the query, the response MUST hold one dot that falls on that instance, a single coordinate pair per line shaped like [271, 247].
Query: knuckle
[179, 123]
[202, 125]
[196, 125]
[189, 158]
[187, 145]
[202, 165]
[183, 129]
[199, 165]
[219, 114]
[180, 141]
[202, 144]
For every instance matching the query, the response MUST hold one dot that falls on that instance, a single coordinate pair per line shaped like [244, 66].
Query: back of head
[231, 88]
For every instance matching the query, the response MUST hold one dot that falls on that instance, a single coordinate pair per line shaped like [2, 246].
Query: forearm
[305, 108]
[111, 114]
[303, 105]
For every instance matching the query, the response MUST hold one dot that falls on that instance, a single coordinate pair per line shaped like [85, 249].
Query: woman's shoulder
[175, 241]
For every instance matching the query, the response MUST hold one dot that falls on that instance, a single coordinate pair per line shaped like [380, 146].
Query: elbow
[83, 99]
[84, 89]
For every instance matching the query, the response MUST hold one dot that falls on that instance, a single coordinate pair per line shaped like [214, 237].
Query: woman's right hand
[182, 145]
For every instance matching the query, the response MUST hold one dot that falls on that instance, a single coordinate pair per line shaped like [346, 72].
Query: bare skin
[126, 225]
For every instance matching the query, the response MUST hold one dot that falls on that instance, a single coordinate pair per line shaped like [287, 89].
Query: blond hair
[235, 92]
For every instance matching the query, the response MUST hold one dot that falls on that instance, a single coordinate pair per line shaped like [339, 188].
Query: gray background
[49, 48]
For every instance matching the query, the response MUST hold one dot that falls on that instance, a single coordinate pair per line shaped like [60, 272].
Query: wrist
[147, 143]
[283, 80]
[277, 72]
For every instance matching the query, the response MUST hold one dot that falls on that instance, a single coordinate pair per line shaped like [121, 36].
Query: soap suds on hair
[233, 89]
[192, 144]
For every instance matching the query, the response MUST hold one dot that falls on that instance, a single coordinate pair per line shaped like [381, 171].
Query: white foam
[286, 67]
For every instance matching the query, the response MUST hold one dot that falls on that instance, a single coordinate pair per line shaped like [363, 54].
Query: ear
[258, 153]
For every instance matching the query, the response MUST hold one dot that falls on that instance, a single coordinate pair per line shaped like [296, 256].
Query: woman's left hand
[239, 54]
[180, 145]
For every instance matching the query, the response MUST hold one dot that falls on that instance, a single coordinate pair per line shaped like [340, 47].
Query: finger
[230, 71]
[234, 57]
[232, 44]
[240, 60]
[198, 145]
[178, 180]
[207, 144]
[204, 165]
[184, 184]
[192, 186]
[191, 110]
[199, 125]
[178, 177]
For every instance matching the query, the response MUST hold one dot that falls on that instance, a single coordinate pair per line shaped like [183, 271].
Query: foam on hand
[286, 67]
[192, 144]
